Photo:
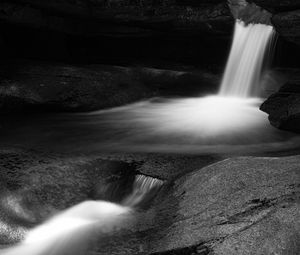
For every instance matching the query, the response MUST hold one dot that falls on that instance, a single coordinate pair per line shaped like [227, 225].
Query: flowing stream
[71, 231]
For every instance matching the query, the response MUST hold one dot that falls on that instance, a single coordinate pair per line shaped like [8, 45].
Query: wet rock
[283, 107]
[38, 86]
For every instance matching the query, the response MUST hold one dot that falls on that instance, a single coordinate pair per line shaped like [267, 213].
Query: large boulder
[37, 86]
[283, 107]
[59, 87]
[237, 206]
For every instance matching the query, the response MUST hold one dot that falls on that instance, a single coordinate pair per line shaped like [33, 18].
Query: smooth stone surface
[237, 206]
[37, 86]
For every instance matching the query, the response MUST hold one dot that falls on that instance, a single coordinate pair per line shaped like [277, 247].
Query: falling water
[244, 66]
[142, 187]
[70, 232]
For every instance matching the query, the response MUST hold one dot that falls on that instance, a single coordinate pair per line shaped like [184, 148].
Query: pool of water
[204, 125]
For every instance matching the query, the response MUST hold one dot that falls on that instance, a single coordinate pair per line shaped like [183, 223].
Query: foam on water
[70, 231]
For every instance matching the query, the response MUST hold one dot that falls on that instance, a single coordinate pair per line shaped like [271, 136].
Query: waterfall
[71, 231]
[244, 66]
[143, 187]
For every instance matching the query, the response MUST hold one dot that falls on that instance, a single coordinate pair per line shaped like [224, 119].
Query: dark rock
[66, 88]
[119, 18]
[278, 6]
[237, 206]
[57, 87]
[287, 24]
[283, 107]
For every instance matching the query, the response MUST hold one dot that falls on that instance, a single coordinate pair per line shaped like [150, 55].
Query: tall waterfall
[244, 66]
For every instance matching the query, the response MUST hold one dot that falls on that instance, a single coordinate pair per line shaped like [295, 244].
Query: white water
[244, 67]
[70, 232]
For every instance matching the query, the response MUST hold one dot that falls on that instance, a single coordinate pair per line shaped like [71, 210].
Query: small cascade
[71, 231]
[244, 67]
[144, 188]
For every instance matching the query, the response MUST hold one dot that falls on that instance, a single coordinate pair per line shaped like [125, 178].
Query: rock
[287, 24]
[36, 185]
[278, 6]
[237, 206]
[66, 88]
[283, 107]
[37, 86]
[120, 18]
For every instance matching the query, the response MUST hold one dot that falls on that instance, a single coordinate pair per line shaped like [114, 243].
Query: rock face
[287, 24]
[37, 86]
[283, 107]
[119, 17]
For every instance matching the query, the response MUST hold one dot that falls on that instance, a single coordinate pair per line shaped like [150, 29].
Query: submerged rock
[283, 107]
